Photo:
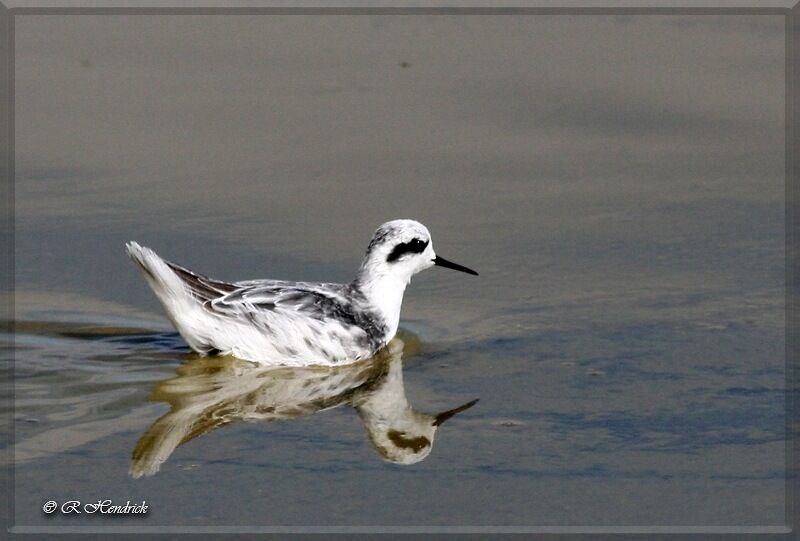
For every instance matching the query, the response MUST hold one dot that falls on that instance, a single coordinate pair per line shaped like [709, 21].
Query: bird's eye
[414, 246]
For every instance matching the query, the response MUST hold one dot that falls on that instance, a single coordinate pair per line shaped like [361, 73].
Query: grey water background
[617, 181]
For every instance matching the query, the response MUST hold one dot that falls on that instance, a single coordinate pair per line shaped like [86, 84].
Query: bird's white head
[401, 248]
[398, 250]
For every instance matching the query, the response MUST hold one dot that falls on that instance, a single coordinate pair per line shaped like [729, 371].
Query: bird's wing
[310, 299]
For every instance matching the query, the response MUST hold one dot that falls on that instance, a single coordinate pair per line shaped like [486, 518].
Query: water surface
[617, 181]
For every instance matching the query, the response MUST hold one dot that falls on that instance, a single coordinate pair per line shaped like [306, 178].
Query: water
[618, 183]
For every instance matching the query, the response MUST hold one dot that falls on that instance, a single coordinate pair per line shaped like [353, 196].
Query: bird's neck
[384, 293]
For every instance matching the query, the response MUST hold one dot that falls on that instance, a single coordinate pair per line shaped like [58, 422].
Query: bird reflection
[212, 392]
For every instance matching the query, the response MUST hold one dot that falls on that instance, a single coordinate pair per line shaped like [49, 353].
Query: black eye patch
[414, 246]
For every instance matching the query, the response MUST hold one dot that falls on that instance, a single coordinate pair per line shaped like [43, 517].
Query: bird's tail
[173, 293]
[183, 293]
[162, 279]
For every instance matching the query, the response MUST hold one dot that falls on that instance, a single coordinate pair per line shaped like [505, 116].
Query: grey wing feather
[273, 295]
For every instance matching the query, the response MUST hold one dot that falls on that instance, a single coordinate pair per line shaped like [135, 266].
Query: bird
[296, 323]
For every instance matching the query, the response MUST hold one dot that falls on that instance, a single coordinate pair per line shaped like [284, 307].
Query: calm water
[617, 181]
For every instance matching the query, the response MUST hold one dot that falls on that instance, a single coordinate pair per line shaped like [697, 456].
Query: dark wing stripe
[202, 286]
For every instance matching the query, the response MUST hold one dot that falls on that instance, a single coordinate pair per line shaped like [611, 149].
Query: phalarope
[296, 323]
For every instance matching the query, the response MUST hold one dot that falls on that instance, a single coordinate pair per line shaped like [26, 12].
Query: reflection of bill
[212, 392]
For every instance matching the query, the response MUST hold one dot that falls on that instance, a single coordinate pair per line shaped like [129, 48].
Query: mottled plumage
[296, 323]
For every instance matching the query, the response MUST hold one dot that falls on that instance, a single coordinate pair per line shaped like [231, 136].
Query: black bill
[445, 415]
[442, 262]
